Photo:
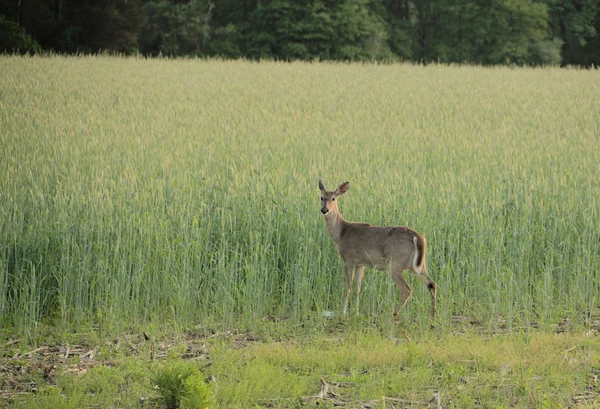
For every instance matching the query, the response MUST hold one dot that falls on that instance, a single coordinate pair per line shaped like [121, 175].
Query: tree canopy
[484, 32]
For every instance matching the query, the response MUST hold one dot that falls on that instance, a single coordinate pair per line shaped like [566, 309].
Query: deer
[394, 249]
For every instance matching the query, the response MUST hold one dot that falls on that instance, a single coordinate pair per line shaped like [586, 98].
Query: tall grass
[134, 190]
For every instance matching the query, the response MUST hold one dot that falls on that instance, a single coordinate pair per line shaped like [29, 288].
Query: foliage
[181, 385]
[489, 32]
[175, 29]
[577, 24]
[111, 25]
[291, 30]
[546, 52]
[119, 383]
[225, 42]
[305, 31]
[361, 33]
[14, 39]
[495, 32]
[82, 26]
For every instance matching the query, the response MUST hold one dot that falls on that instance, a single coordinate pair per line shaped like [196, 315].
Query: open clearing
[351, 369]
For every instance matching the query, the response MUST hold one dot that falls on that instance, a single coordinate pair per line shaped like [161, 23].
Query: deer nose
[324, 210]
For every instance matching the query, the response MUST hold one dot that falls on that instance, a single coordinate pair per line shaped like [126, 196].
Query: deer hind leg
[360, 274]
[349, 270]
[431, 286]
[405, 290]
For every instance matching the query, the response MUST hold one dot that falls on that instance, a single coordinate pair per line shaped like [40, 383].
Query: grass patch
[361, 369]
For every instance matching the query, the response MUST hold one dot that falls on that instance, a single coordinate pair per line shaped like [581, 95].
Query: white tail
[391, 248]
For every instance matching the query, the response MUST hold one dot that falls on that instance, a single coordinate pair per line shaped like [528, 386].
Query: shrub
[14, 39]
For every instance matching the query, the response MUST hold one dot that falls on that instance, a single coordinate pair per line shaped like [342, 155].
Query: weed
[181, 385]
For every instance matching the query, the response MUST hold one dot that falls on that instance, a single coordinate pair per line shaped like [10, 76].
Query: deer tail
[420, 249]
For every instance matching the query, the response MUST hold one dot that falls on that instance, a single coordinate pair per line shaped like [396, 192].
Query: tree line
[487, 32]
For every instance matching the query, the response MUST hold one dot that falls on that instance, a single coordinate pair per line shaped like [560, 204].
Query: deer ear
[321, 185]
[343, 188]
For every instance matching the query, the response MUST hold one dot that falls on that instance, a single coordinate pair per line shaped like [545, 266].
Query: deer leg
[405, 290]
[360, 274]
[431, 286]
[349, 270]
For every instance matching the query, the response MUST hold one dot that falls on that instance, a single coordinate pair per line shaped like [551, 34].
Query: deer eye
[322, 198]
[332, 199]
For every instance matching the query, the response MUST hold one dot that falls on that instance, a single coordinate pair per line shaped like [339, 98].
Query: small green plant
[181, 385]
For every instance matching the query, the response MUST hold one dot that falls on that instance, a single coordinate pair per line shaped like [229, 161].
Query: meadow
[173, 194]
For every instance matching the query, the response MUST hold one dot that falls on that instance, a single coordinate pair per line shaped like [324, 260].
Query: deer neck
[334, 223]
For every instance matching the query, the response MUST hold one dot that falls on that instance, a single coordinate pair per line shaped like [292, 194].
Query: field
[164, 197]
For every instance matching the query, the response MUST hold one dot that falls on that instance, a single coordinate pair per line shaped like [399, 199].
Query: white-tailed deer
[390, 248]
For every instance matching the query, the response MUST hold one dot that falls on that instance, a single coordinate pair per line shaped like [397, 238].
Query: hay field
[136, 191]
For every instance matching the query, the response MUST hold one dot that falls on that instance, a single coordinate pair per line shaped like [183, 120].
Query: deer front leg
[360, 274]
[405, 290]
[349, 270]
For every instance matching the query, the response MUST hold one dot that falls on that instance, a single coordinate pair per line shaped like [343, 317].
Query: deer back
[365, 245]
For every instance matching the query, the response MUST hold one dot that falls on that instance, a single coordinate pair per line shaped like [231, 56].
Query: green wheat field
[172, 194]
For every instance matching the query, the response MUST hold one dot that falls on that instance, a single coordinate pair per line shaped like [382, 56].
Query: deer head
[329, 198]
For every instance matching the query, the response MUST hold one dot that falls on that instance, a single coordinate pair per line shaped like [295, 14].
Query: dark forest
[486, 32]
